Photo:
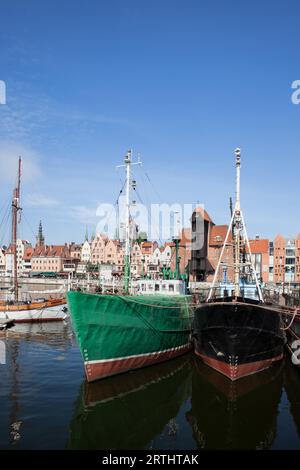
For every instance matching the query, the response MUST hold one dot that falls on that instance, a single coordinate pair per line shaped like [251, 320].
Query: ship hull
[54, 310]
[117, 334]
[238, 339]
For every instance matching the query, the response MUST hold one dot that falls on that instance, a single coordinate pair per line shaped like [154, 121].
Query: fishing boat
[235, 331]
[15, 309]
[118, 333]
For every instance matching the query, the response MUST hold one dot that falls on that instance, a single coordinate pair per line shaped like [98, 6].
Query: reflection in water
[52, 333]
[292, 388]
[234, 415]
[128, 411]
[42, 366]
[181, 404]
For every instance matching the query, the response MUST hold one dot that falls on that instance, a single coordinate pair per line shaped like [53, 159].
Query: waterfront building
[2, 262]
[98, 249]
[284, 264]
[9, 258]
[210, 239]
[260, 252]
[85, 255]
[50, 258]
[201, 228]
[136, 260]
[75, 250]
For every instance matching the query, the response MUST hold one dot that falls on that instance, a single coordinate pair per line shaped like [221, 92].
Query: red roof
[28, 252]
[259, 246]
[218, 235]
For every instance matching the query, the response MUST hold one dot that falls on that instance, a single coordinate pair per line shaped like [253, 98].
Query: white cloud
[9, 154]
[84, 215]
[39, 200]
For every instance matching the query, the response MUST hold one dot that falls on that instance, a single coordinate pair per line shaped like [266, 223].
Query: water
[47, 404]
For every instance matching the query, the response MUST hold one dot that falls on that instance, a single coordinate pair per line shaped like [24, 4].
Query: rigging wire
[5, 226]
[148, 203]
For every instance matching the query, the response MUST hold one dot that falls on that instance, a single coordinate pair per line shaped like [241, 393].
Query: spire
[86, 237]
[40, 239]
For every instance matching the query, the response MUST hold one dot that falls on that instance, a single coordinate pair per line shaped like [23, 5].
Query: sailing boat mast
[128, 184]
[238, 228]
[15, 210]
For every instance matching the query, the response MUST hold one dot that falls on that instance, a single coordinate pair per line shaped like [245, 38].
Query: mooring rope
[292, 320]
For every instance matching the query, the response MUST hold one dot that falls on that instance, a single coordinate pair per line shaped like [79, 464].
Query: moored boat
[236, 334]
[15, 309]
[43, 310]
[118, 333]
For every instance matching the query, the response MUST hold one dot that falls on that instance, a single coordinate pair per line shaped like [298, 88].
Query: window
[290, 252]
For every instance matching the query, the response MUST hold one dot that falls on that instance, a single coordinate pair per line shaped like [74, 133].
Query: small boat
[14, 308]
[235, 331]
[36, 311]
[118, 333]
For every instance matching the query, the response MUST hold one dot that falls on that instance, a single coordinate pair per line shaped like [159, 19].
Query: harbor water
[182, 404]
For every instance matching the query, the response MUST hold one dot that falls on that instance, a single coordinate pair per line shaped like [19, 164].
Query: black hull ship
[238, 338]
[235, 331]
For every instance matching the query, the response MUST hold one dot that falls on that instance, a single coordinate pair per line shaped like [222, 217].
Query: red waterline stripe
[37, 320]
[234, 372]
[98, 370]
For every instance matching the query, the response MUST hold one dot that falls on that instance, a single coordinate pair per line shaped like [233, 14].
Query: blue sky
[181, 82]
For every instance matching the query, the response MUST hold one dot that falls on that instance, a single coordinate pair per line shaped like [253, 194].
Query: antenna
[128, 186]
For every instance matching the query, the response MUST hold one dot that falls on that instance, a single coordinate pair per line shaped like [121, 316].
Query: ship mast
[128, 184]
[237, 224]
[237, 228]
[15, 209]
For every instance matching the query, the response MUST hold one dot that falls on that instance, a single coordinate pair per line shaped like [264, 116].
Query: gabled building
[9, 258]
[50, 258]
[86, 251]
[98, 249]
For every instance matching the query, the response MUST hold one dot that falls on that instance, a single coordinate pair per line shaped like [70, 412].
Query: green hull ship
[120, 333]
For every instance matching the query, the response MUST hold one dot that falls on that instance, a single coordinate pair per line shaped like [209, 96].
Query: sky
[181, 82]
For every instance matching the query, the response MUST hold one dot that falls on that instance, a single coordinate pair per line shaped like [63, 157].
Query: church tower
[40, 240]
